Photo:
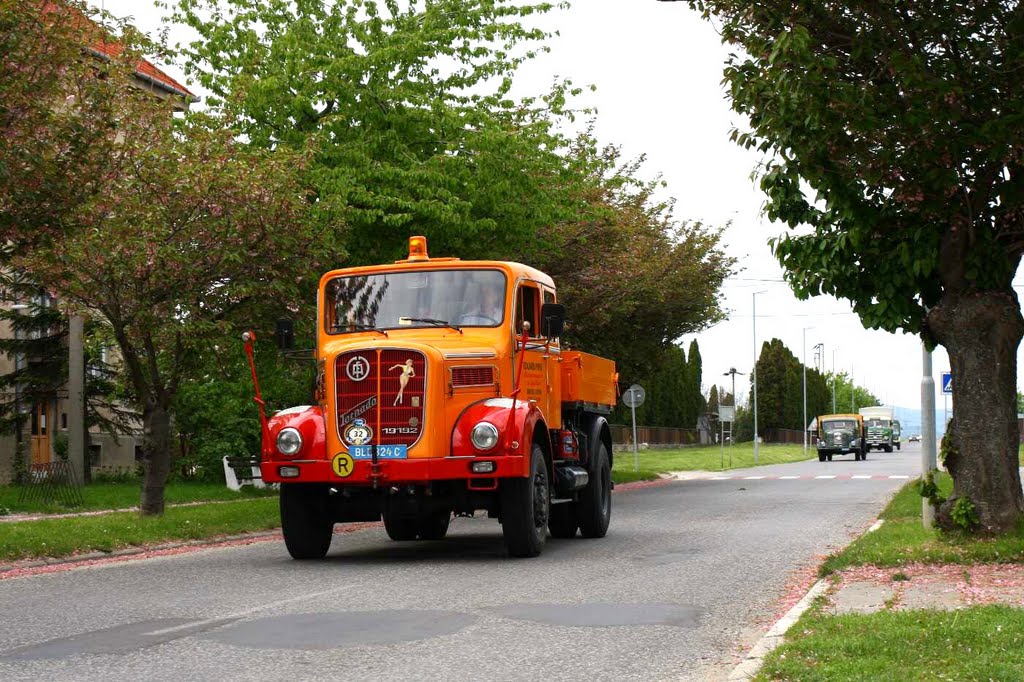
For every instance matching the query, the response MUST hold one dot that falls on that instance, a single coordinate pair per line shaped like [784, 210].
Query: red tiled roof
[104, 47]
[145, 68]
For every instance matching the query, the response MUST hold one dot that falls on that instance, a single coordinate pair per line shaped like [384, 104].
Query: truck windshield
[843, 425]
[878, 422]
[395, 300]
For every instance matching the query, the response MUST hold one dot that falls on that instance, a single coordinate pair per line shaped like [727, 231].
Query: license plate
[383, 451]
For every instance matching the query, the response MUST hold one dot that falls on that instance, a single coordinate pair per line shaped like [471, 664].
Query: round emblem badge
[357, 368]
[358, 433]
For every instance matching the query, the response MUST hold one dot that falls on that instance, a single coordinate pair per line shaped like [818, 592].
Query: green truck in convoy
[881, 429]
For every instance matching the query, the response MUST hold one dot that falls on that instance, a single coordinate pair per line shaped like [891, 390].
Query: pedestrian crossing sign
[947, 383]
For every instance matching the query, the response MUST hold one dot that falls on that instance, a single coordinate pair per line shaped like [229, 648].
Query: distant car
[914, 439]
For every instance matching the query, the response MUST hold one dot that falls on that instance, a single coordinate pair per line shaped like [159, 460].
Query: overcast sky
[658, 69]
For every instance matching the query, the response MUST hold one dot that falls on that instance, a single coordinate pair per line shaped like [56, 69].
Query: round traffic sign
[634, 396]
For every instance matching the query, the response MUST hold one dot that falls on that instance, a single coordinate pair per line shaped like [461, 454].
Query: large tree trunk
[156, 457]
[981, 332]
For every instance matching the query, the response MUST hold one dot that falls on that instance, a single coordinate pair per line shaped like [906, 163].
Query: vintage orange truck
[443, 389]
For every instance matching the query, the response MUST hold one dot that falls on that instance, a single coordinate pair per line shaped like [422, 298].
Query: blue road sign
[947, 383]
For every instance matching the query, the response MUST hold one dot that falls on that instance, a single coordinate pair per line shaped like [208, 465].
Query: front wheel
[525, 505]
[305, 521]
[595, 504]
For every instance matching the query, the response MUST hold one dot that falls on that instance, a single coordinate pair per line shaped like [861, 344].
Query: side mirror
[552, 320]
[285, 334]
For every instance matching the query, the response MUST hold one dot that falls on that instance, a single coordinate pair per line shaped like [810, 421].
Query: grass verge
[978, 643]
[124, 495]
[903, 539]
[702, 458]
[975, 643]
[108, 532]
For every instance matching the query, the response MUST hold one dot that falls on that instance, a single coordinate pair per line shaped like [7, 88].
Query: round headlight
[289, 441]
[484, 436]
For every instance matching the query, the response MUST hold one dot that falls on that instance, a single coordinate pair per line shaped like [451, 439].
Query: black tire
[594, 510]
[898, 445]
[434, 526]
[888, 448]
[562, 522]
[305, 521]
[525, 508]
[864, 455]
[401, 528]
[821, 456]
[830, 458]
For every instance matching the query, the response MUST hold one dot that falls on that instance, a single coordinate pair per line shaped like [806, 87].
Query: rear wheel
[594, 510]
[434, 526]
[821, 456]
[400, 528]
[305, 522]
[562, 523]
[525, 505]
[830, 458]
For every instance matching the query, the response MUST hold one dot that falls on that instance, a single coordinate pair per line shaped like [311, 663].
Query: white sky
[658, 69]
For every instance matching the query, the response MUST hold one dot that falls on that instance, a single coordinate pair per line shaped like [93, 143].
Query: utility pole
[928, 461]
[756, 438]
[803, 424]
[76, 397]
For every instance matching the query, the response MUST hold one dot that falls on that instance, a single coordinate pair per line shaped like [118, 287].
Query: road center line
[752, 478]
[789, 478]
[249, 612]
[899, 476]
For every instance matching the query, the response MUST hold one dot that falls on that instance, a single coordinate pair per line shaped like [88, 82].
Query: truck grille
[368, 384]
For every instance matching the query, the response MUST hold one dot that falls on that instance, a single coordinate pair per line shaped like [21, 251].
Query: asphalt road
[689, 573]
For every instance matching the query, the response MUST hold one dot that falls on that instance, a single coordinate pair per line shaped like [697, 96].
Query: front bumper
[837, 450]
[397, 471]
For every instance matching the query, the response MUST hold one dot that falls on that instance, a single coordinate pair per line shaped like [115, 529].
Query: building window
[64, 420]
[138, 453]
[95, 451]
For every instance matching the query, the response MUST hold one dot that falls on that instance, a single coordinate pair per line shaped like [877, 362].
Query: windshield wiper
[355, 326]
[431, 320]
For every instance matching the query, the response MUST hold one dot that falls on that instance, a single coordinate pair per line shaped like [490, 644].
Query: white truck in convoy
[881, 429]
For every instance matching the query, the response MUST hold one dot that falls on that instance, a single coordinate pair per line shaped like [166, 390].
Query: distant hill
[910, 420]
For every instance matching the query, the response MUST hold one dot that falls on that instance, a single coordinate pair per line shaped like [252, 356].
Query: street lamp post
[803, 424]
[756, 439]
[834, 378]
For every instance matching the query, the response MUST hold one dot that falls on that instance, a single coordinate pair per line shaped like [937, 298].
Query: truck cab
[444, 388]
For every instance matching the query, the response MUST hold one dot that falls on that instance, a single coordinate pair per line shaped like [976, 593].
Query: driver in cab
[486, 308]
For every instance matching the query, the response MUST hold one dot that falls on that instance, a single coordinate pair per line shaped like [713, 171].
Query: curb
[751, 663]
[773, 638]
[30, 566]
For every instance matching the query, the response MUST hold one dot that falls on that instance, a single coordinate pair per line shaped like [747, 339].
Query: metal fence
[661, 436]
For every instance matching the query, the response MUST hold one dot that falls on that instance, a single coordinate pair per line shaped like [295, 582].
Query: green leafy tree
[214, 412]
[892, 132]
[407, 106]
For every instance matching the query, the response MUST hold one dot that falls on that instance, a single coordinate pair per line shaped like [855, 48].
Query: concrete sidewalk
[868, 589]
